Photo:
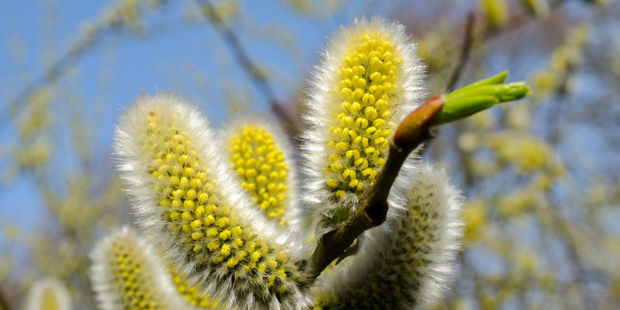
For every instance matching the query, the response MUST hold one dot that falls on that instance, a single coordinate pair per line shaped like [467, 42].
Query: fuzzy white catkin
[48, 294]
[185, 197]
[409, 260]
[127, 273]
[369, 79]
[261, 156]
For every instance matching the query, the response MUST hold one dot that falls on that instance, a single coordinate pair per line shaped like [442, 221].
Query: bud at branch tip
[457, 105]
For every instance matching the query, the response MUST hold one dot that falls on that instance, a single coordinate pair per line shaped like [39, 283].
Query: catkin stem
[373, 212]
[411, 133]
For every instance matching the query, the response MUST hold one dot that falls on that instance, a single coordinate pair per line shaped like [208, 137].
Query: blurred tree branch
[255, 74]
[4, 304]
[464, 54]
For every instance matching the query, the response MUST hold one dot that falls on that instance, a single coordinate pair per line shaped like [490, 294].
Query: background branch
[464, 54]
[257, 77]
[4, 304]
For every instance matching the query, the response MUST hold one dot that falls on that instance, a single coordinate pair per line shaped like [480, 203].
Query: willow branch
[249, 67]
[373, 209]
[4, 304]
[409, 135]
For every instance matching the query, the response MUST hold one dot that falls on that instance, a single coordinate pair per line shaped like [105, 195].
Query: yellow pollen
[261, 166]
[358, 144]
[191, 293]
[130, 275]
[192, 208]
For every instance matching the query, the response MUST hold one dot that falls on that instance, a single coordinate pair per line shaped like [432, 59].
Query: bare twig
[464, 54]
[253, 71]
[372, 212]
[4, 304]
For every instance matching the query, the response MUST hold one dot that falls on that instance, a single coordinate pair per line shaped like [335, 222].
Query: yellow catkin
[131, 278]
[260, 164]
[412, 260]
[49, 300]
[191, 206]
[47, 294]
[191, 293]
[392, 279]
[358, 143]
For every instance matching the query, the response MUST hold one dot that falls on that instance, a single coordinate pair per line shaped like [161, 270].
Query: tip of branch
[411, 129]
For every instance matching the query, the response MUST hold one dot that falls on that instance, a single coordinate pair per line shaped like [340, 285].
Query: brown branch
[250, 68]
[372, 212]
[465, 50]
[4, 303]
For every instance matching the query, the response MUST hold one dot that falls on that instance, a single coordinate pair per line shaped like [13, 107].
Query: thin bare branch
[372, 212]
[4, 303]
[465, 50]
[250, 68]
[51, 74]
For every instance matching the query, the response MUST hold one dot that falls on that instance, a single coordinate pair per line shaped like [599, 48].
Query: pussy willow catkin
[48, 294]
[408, 261]
[368, 80]
[128, 274]
[262, 159]
[186, 198]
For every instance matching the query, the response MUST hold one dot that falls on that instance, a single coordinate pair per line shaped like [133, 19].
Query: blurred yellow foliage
[495, 12]
[526, 152]
[475, 218]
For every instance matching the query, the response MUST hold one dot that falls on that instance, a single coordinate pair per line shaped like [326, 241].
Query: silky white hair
[322, 102]
[133, 169]
[159, 279]
[384, 255]
[54, 286]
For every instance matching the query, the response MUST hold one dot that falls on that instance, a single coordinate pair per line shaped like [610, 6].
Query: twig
[372, 212]
[4, 304]
[253, 71]
[464, 54]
